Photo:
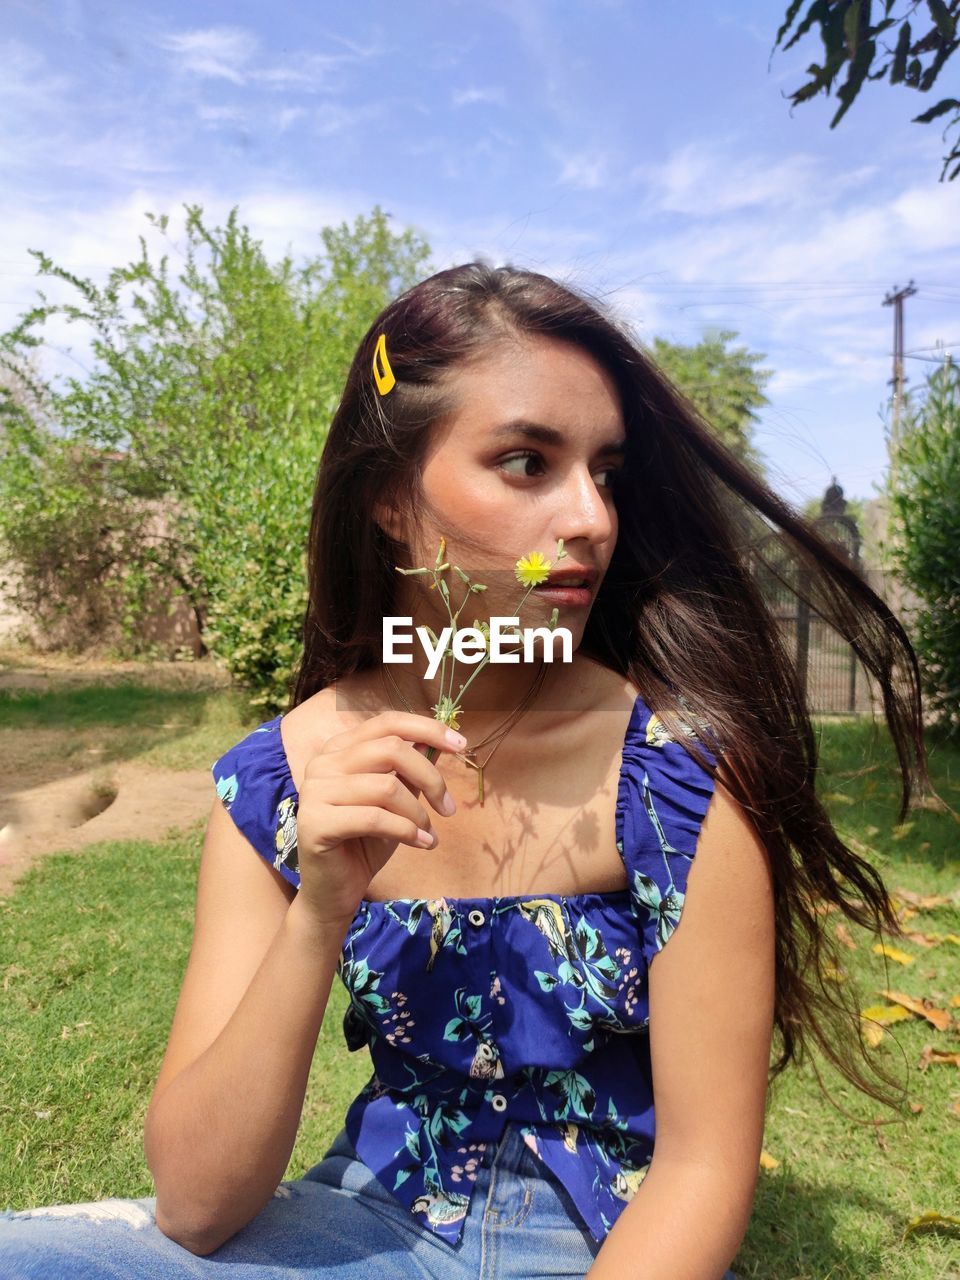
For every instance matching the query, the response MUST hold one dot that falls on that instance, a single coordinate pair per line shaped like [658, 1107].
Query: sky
[643, 152]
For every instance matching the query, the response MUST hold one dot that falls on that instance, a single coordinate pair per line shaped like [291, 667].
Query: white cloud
[26, 82]
[929, 216]
[308, 73]
[220, 115]
[713, 178]
[799, 378]
[467, 97]
[217, 52]
[586, 171]
[289, 116]
[228, 53]
[334, 118]
[119, 151]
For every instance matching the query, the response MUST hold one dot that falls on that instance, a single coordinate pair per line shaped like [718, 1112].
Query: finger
[358, 822]
[407, 725]
[393, 753]
[385, 790]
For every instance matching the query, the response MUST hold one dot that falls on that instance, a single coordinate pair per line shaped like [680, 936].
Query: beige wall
[12, 620]
[171, 631]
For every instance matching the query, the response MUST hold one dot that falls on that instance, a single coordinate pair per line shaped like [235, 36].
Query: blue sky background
[642, 151]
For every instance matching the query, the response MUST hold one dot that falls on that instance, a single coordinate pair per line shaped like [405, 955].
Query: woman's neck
[496, 693]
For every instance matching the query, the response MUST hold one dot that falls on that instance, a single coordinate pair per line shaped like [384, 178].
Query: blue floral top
[532, 1009]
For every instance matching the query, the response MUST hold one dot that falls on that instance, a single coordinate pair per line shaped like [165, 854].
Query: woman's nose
[587, 513]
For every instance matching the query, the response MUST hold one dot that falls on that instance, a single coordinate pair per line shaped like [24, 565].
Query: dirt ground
[42, 814]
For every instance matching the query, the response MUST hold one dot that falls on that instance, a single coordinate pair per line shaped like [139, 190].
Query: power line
[937, 346]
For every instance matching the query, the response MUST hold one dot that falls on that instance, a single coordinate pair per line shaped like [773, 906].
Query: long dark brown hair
[679, 612]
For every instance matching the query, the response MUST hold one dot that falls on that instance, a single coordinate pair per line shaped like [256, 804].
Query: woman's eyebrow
[550, 435]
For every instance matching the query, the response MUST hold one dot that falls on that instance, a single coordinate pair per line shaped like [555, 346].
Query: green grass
[93, 948]
[173, 728]
[93, 952]
[843, 1193]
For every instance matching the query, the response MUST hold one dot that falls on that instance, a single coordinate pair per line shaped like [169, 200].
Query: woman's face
[527, 459]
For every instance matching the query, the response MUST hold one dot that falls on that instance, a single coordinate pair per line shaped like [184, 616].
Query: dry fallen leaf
[843, 935]
[922, 939]
[929, 1218]
[885, 1014]
[923, 1008]
[929, 1054]
[934, 803]
[872, 1033]
[892, 953]
[921, 902]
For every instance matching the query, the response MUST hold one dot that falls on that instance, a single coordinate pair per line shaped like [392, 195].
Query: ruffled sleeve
[662, 800]
[253, 780]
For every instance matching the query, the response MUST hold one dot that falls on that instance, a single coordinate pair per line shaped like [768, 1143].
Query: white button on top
[476, 917]
[498, 1102]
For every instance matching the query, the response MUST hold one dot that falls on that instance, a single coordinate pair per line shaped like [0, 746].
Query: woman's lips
[566, 595]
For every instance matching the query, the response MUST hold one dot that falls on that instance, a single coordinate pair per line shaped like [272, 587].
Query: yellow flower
[532, 569]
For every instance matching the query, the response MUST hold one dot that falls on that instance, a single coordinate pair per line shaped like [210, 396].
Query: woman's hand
[359, 800]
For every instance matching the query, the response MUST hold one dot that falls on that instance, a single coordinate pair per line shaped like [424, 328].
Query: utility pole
[895, 300]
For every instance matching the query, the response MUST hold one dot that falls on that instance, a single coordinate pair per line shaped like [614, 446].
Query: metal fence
[833, 679]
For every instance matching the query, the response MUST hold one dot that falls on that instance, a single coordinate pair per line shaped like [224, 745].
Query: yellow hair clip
[384, 377]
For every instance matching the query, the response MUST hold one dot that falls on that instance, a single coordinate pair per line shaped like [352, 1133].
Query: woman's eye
[523, 459]
[611, 473]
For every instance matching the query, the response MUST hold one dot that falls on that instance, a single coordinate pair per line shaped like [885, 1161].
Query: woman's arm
[226, 1106]
[224, 1114]
[711, 1025]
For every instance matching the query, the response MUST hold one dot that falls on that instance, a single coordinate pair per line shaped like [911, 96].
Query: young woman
[545, 1100]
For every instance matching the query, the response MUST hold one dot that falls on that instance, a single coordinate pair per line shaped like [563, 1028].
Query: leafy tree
[209, 405]
[925, 509]
[872, 42]
[724, 384]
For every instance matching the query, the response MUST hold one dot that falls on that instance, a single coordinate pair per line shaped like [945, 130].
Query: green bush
[185, 464]
[925, 506]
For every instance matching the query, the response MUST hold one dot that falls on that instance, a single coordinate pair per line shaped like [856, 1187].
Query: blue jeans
[337, 1220]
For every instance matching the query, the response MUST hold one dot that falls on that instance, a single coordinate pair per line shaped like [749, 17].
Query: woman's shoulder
[592, 697]
[307, 726]
[259, 777]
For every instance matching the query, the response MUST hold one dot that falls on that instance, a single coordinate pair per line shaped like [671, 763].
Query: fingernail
[448, 805]
[425, 838]
[456, 739]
